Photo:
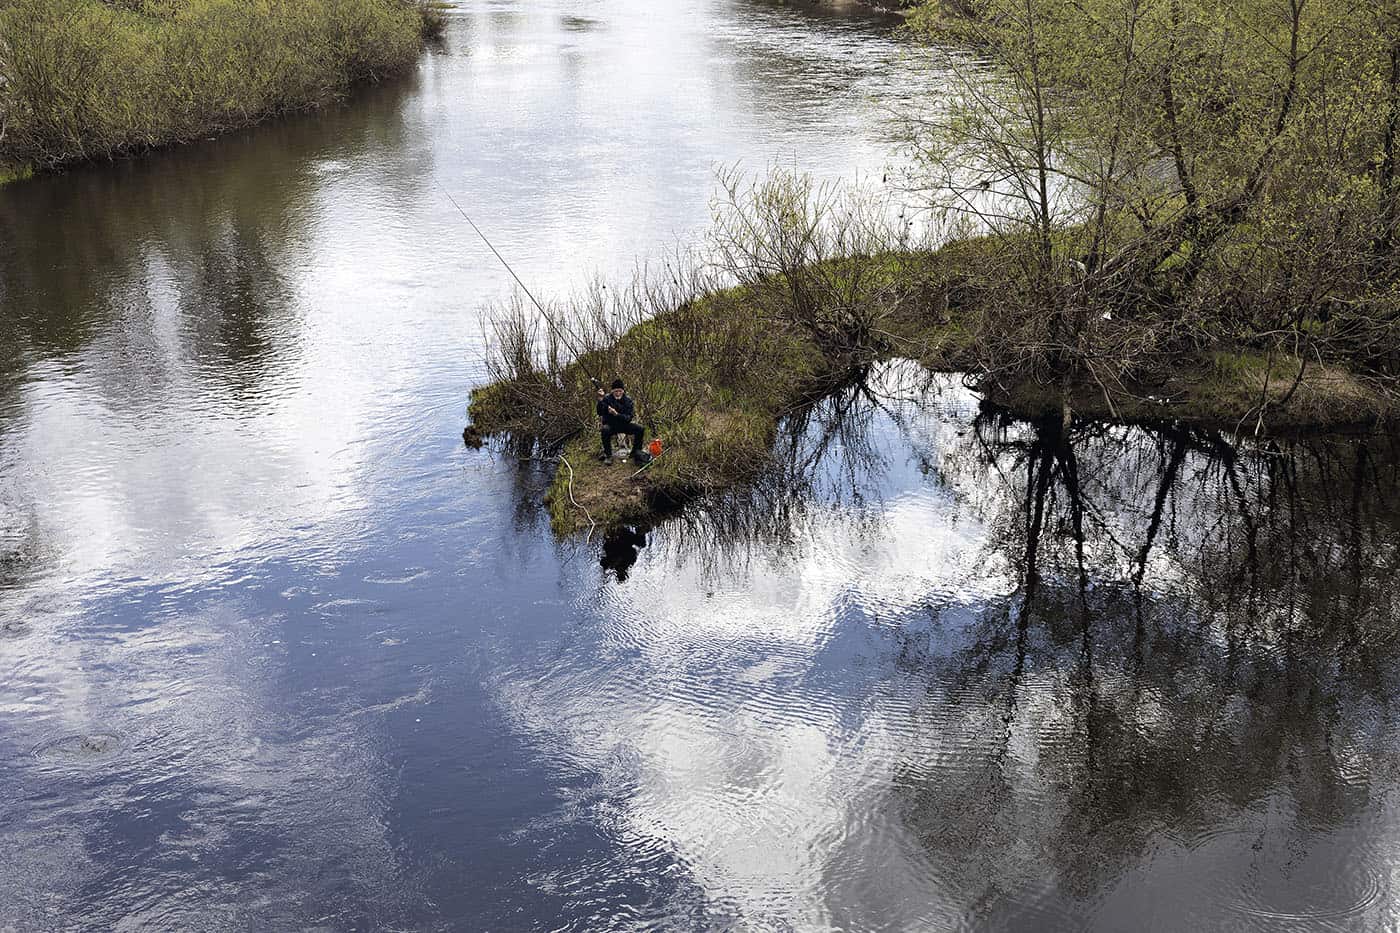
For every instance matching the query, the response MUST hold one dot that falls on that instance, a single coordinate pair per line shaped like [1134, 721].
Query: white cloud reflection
[739, 759]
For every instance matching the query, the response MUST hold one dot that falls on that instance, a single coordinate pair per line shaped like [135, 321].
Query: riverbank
[720, 435]
[1239, 390]
[84, 80]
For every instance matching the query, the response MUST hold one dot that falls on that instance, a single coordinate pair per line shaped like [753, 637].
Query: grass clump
[800, 286]
[84, 79]
[15, 173]
[434, 18]
[712, 380]
[1242, 390]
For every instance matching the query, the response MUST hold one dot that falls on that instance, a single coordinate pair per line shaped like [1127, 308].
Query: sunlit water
[276, 651]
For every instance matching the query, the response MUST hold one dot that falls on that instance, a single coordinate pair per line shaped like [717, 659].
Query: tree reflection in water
[1184, 693]
[1199, 635]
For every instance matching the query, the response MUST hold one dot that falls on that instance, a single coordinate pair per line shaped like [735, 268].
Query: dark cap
[619, 384]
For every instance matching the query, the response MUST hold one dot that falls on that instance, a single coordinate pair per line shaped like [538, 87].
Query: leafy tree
[1159, 177]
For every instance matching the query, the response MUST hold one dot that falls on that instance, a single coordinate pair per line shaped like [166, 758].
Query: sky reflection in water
[862, 716]
[275, 651]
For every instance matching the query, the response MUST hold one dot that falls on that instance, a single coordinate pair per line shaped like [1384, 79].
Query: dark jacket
[625, 407]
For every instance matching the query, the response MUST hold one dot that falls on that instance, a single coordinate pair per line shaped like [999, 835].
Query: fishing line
[549, 321]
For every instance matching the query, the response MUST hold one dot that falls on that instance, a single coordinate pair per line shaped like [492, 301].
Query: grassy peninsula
[94, 79]
[715, 377]
[822, 292]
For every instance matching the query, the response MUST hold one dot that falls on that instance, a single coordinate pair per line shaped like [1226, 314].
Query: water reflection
[162, 769]
[620, 549]
[994, 674]
[1179, 701]
[277, 651]
[207, 227]
[158, 338]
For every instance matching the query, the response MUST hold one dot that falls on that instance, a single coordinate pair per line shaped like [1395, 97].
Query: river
[278, 652]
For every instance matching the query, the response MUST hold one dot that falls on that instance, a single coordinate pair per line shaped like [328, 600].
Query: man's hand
[612, 410]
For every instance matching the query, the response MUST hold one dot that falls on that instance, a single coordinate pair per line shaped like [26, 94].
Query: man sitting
[615, 413]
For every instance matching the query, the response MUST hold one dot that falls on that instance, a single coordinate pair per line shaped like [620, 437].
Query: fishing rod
[554, 326]
[559, 331]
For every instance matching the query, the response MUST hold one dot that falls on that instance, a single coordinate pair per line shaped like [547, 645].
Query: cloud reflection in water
[904, 716]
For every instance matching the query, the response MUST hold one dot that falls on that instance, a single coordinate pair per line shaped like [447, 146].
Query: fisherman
[615, 413]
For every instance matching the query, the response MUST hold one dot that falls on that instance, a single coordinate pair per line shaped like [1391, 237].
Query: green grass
[83, 79]
[1234, 388]
[713, 378]
[715, 415]
[15, 173]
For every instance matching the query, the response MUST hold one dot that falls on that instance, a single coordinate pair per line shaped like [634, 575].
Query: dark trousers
[623, 427]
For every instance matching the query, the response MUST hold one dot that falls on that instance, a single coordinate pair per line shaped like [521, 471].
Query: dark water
[276, 652]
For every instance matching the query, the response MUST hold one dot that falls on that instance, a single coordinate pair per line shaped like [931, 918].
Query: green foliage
[1168, 175]
[82, 79]
[17, 173]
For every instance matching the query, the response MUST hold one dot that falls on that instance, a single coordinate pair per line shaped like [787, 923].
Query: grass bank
[715, 375]
[88, 79]
[1238, 389]
[715, 410]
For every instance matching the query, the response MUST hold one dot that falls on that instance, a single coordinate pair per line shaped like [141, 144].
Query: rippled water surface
[277, 652]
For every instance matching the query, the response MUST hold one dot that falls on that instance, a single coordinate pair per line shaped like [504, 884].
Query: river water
[278, 652]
